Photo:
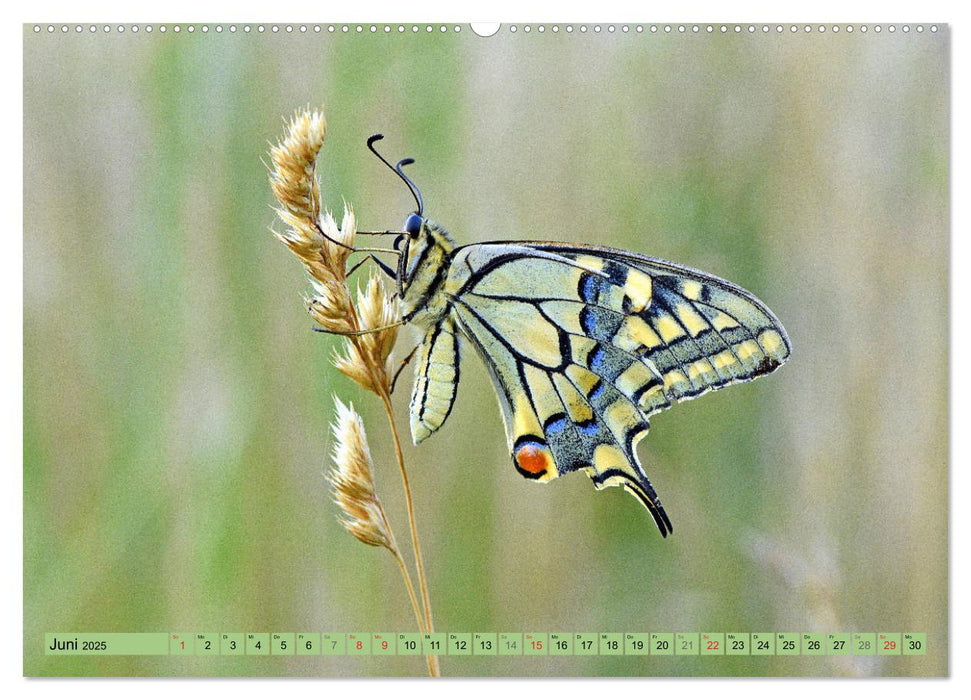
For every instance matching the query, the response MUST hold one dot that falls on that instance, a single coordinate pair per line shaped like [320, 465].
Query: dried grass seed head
[294, 162]
[353, 482]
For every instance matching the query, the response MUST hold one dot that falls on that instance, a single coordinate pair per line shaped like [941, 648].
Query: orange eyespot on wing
[533, 458]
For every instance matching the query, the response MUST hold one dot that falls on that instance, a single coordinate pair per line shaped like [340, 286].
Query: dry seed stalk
[324, 247]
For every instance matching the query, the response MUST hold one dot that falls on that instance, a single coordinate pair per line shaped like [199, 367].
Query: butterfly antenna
[415, 192]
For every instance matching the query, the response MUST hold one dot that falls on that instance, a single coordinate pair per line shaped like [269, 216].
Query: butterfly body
[583, 344]
[422, 269]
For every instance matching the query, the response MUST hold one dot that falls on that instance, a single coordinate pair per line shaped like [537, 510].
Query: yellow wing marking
[691, 289]
[529, 278]
[639, 288]
[722, 321]
[773, 345]
[749, 354]
[577, 407]
[634, 333]
[653, 398]
[668, 328]
[524, 421]
[691, 319]
[544, 395]
[591, 263]
[622, 413]
[702, 368]
[633, 378]
[607, 457]
[584, 379]
[726, 360]
[676, 383]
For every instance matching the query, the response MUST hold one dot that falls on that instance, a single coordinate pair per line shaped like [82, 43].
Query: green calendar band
[303, 644]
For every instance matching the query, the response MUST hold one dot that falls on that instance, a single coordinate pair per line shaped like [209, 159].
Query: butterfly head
[413, 225]
[410, 232]
[412, 246]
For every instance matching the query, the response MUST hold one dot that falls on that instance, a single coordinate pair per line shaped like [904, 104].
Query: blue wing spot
[597, 392]
[589, 287]
[556, 424]
[587, 427]
[588, 321]
[596, 360]
[600, 324]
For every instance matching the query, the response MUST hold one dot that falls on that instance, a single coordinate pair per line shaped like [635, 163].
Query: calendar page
[592, 349]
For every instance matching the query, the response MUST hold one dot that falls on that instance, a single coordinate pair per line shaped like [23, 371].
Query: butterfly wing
[584, 343]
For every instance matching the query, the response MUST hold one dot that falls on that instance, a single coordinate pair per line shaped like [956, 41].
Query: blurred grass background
[176, 403]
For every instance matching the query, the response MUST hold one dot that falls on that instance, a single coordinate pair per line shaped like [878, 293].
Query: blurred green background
[176, 402]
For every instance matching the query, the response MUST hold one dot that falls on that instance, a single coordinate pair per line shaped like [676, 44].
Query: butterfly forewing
[698, 331]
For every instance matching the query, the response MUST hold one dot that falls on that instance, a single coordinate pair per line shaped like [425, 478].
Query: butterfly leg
[366, 331]
[385, 268]
[403, 364]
